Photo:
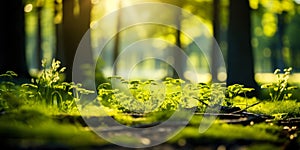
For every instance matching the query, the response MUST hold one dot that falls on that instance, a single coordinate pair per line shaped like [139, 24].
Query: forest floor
[29, 128]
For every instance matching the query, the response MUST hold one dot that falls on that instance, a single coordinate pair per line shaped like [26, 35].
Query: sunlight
[269, 24]
[28, 8]
[201, 77]
[222, 76]
[111, 5]
[287, 5]
[254, 4]
[277, 6]
[267, 52]
[94, 2]
[142, 31]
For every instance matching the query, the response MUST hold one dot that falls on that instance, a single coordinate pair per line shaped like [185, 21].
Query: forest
[150, 74]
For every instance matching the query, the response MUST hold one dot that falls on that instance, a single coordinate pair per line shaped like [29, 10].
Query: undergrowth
[142, 97]
[47, 89]
[28, 109]
[169, 95]
[279, 89]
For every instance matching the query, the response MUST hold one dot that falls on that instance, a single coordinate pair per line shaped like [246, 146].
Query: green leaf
[277, 71]
[290, 88]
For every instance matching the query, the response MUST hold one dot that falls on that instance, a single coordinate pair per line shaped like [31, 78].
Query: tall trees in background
[240, 55]
[215, 64]
[117, 41]
[277, 44]
[12, 38]
[179, 60]
[76, 22]
[293, 35]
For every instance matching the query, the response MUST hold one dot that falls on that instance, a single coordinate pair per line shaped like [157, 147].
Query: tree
[117, 41]
[216, 29]
[179, 60]
[277, 44]
[76, 22]
[292, 34]
[58, 12]
[39, 54]
[12, 39]
[240, 56]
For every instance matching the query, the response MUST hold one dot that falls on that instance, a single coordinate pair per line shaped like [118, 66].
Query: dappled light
[28, 8]
[269, 24]
[267, 28]
[150, 74]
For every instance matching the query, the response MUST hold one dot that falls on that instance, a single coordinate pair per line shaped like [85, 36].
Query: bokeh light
[28, 8]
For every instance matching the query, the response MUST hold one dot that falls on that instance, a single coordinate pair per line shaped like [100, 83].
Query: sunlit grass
[288, 108]
[33, 127]
[270, 77]
[224, 133]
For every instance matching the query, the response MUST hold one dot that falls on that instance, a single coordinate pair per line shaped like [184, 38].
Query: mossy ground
[35, 127]
[35, 117]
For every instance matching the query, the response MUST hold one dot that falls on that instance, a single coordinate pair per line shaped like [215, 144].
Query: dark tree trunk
[117, 39]
[179, 60]
[39, 37]
[240, 56]
[12, 38]
[215, 64]
[74, 27]
[59, 52]
[277, 44]
[293, 32]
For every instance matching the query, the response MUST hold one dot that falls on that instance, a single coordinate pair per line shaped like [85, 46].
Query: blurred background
[255, 37]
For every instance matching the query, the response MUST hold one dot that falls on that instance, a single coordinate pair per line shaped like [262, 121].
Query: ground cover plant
[279, 89]
[43, 112]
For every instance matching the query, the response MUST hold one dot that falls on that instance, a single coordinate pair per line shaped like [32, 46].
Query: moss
[32, 128]
[226, 133]
[290, 107]
[265, 146]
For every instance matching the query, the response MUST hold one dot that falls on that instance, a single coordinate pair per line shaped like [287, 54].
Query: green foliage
[278, 109]
[210, 95]
[279, 90]
[227, 133]
[153, 101]
[49, 88]
[8, 98]
[217, 94]
[9, 74]
[132, 96]
[34, 128]
[235, 90]
[170, 95]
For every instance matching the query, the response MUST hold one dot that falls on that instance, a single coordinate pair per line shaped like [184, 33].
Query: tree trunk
[59, 52]
[76, 22]
[240, 56]
[215, 64]
[179, 60]
[117, 41]
[277, 44]
[39, 38]
[12, 39]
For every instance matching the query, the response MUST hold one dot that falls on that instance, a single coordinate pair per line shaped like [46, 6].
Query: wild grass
[228, 133]
[281, 109]
[27, 110]
[30, 128]
[279, 89]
